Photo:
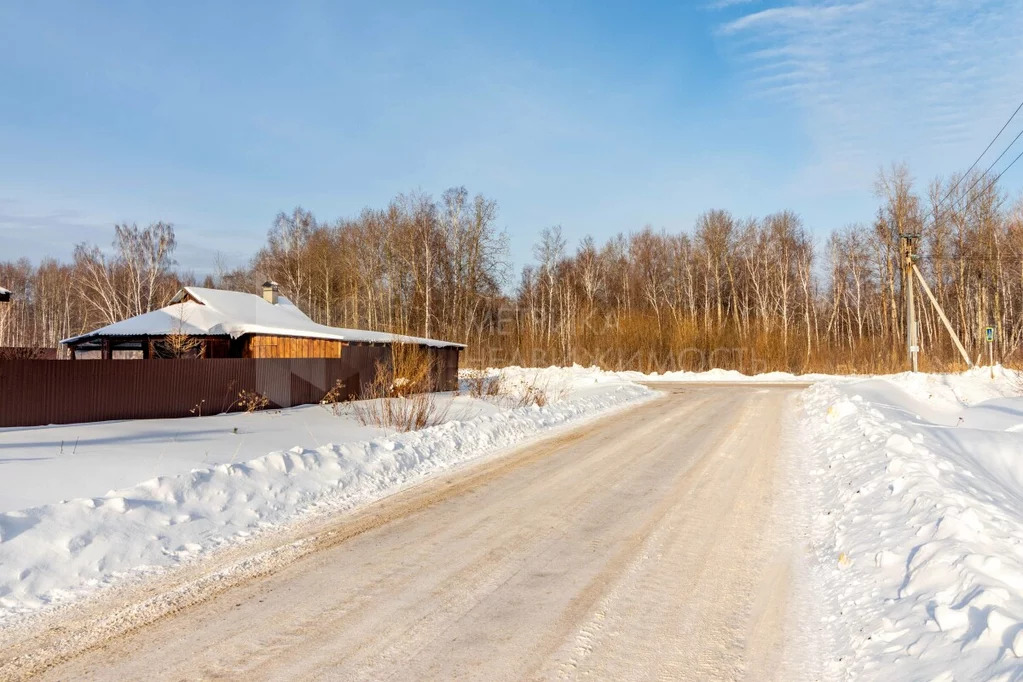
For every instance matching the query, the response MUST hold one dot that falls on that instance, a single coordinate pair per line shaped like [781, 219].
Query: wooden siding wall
[266, 346]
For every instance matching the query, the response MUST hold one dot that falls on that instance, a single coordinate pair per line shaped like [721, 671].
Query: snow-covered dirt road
[650, 545]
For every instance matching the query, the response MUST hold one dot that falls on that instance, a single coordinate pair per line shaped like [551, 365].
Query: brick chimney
[270, 292]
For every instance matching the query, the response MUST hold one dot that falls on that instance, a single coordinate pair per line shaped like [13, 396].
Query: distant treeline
[750, 293]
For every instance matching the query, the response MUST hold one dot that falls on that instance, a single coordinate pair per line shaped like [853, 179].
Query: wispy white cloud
[794, 16]
[927, 81]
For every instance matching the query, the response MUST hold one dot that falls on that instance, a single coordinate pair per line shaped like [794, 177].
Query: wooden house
[5, 295]
[213, 323]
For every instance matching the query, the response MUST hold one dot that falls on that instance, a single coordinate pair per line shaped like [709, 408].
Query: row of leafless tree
[417, 266]
[749, 293]
[54, 300]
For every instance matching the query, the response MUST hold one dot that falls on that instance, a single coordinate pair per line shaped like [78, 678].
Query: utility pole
[909, 262]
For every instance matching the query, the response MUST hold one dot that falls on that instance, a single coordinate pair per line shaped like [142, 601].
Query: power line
[1013, 163]
[988, 170]
[1001, 130]
[991, 184]
[989, 145]
[970, 203]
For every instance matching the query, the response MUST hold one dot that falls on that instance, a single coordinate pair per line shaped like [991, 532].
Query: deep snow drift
[199, 484]
[918, 535]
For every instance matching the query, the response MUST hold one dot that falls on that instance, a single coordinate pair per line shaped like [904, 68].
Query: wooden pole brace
[941, 314]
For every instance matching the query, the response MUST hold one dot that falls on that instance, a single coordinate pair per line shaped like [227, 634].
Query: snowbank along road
[644, 546]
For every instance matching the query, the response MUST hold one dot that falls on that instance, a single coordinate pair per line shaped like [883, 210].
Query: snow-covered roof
[3, 291]
[214, 312]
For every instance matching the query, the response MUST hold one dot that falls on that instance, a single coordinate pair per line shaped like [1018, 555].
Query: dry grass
[637, 341]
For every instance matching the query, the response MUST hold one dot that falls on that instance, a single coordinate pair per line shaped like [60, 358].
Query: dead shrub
[179, 343]
[402, 413]
[252, 401]
[480, 384]
[533, 394]
[473, 380]
[401, 396]
[412, 370]
[517, 392]
[23, 353]
[336, 398]
[179, 346]
[539, 392]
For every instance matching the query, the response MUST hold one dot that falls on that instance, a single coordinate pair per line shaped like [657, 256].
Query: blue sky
[600, 117]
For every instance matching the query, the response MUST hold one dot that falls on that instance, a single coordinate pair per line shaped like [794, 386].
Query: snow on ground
[725, 376]
[40, 465]
[918, 536]
[44, 464]
[140, 496]
[915, 482]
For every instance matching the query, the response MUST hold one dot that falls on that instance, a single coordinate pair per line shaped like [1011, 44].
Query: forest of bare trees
[754, 294]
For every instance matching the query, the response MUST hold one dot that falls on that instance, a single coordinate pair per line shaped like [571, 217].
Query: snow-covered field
[917, 488]
[88, 505]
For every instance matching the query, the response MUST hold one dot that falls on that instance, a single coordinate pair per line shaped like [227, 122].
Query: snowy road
[647, 546]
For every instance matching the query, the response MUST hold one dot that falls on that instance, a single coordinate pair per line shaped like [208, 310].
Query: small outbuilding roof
[197, 311]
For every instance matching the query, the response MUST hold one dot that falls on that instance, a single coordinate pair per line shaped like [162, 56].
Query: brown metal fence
[446, 368]
[35, 392]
